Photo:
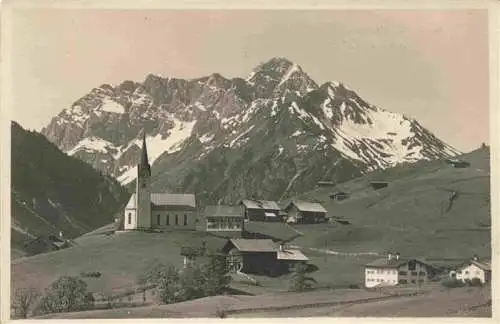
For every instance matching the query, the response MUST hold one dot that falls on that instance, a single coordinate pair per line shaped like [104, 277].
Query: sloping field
[475, 302]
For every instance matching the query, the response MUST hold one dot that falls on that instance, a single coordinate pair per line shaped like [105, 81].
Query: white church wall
[166, 219]
[130, 219]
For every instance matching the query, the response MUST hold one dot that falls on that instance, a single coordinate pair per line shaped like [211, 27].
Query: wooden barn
[253, 256]
[261, 210]
[261, 256]
[302, 212]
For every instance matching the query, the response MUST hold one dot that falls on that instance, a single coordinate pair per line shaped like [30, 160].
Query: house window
[185, 219]
[130, 218]
[158, 221]
[402, 273]
[412, 265]
[168, 219]
[211, 223]
[413, 281]
[420, 280]
[403, 281]
[414, 273]
[421, 273]
[466, 272]
[176, 219]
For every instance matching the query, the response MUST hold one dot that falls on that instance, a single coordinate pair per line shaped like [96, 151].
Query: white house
[475, 268]
[393, 270]
[157, 210]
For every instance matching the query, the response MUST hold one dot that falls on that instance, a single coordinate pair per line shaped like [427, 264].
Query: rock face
[271, 135]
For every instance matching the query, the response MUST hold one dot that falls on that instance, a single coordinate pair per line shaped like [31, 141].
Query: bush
[300, 281]
[95, 274]
[452, 283]
[476, 282]
[66, 294]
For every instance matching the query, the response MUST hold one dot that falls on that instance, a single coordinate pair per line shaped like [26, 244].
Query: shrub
[475, 282]
[452, 283]
[300, 281]
[94, 274]
[66, 294]
[23, 299]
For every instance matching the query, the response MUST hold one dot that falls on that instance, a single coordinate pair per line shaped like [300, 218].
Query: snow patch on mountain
[112, 106]
[92, 144]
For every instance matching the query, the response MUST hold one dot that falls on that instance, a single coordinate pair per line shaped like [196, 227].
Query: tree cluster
[171, 285]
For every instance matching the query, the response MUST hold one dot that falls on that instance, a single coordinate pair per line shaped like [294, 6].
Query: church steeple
[144, 162]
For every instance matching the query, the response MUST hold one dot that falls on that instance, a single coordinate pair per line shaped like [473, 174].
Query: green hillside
[52, 192]
[410, 216]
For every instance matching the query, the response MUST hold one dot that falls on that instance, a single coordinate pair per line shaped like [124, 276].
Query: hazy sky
[431, 65]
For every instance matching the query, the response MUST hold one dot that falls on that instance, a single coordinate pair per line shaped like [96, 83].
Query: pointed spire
[144, 163]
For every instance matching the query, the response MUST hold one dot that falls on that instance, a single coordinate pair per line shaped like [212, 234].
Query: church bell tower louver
[143, 188]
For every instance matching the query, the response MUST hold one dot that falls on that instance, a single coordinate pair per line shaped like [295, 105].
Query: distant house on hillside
[261, 210]
[379, 184]
[339, 196]
[325, 184]
[221, 218]
[475, 268]
[302, 212]
[393, 270]
[148, 210]
[458, 163]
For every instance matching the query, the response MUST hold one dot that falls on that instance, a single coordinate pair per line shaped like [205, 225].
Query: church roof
[166, 199]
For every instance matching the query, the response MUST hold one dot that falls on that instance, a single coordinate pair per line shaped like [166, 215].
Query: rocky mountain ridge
[273, 134]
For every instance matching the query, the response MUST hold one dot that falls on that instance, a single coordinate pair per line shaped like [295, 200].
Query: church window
[176, 219]
[158, 221]
[168, 219]
[130, 218]
[185, 219]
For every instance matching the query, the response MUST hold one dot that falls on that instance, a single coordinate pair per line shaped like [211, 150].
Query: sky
[431, 65]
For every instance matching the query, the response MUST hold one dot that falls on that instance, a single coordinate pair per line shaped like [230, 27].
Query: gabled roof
[308, 206]
[246, 245]
[393, 263]
[260, 204]
[223, 211]
[276, 230]
[166, 199]
[481, 264]
[292, 254]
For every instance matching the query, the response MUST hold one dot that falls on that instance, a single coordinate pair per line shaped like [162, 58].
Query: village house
[221, 218]
[261, 256]
[475, 268]
[302, 212]
[394, 270]
[261, 210]
[148, 210]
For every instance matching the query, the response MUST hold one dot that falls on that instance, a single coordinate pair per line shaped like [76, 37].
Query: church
[147, 210]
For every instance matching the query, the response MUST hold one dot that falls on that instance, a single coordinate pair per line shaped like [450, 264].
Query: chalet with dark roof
[261, 210]
[303, 212]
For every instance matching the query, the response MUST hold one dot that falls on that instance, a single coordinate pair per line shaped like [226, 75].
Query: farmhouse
[393, 270]
[261, 210]
[221, 218]
[261, 256]
[303, 212]
[155, 210]
[475, 268]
